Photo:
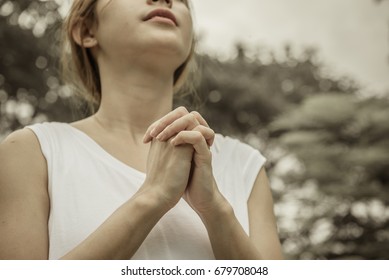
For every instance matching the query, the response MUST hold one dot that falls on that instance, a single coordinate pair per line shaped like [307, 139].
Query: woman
[136, 179]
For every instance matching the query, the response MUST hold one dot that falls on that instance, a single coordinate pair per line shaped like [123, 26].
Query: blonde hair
[79, 68]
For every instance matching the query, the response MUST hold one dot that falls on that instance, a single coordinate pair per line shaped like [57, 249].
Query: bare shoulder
[22, 137]
[21, 149]
[24, 200]
[22, 161]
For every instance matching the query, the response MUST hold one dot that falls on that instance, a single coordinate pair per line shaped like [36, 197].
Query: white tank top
[86, 185]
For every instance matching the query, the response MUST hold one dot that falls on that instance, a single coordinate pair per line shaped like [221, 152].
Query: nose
[169, 3]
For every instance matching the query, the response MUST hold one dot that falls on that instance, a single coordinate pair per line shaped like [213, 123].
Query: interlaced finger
[187, 122]
[208, 134]
[196, 139]
[169, 124]
[155, 128]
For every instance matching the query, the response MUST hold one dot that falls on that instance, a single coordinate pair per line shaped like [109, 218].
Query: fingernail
[152, 133]
[159, 137]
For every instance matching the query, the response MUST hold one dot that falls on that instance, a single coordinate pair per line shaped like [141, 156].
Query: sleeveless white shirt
[86, 185]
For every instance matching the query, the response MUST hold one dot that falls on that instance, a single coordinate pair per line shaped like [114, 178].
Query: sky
[352, 36]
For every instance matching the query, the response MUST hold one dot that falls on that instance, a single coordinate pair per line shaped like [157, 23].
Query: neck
[133, 100]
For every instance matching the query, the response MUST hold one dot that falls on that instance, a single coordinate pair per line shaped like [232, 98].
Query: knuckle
[192, 118]
[198, 136]
[168, 127]
[163, 124]
[207, 130]
[165, 121]
[196, 114]
[182, 110]
[152, 126]
[171, 140]
[157, 124]
[180, 134]
[200, 129]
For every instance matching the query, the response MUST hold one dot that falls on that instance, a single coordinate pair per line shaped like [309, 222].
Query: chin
[164, 47]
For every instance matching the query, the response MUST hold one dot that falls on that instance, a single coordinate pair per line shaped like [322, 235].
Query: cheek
[114, 28]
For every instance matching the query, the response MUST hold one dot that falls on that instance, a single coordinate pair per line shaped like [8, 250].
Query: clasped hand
[180, 160]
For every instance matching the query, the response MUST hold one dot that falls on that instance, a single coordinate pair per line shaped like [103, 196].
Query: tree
[341, 143]
[327, 148]
[244, 92]
[29, 86]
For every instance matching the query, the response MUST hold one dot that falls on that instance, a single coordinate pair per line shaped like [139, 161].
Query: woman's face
[133, 28]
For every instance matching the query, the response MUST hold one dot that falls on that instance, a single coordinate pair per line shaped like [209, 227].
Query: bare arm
[230, 241]
[24, 203]
[123, 232]
[263, 226]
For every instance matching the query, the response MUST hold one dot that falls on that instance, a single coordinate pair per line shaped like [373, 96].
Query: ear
[84, 35]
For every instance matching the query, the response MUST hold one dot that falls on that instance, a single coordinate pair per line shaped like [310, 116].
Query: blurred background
[305, 82]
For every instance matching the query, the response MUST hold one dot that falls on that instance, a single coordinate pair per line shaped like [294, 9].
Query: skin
[164, 144]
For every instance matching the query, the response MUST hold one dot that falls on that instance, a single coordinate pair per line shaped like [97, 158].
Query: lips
[161, 13]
